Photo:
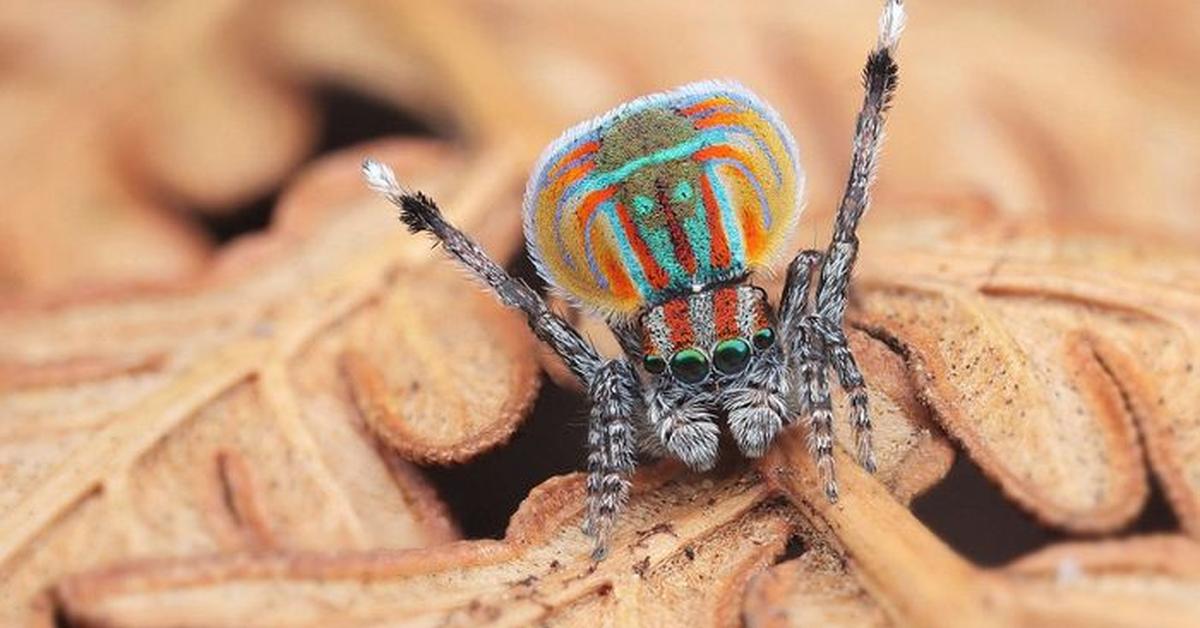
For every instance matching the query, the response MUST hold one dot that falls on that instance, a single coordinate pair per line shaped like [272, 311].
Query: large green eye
[682, 192]
[654, 364]
[643, 204]
[689, 366]
[730, 356]
[764, 338]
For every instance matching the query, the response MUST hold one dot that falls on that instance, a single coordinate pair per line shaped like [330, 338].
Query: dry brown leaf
[874, 557]
[114, 114]
[103, 96]
[1095, 335]
[681, 555]
[67, 216]
[414, 354]
[982, 104]
[812, 590]
[678, 543]
[1119, 581]
[1040, 345]
[217, 417]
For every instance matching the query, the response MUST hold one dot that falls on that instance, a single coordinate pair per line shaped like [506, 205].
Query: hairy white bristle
[380, 178]
[891, 24]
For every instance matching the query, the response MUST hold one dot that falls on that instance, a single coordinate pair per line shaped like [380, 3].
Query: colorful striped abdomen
[662, 196]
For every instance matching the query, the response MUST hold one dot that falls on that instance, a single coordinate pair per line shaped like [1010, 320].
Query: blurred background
[136, 138]
[140, 140]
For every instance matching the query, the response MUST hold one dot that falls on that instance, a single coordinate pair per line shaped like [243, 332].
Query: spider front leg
[816, 341]
[614, 396]
[851, 379]
[612, 385]
[814, 328]
[804, 340]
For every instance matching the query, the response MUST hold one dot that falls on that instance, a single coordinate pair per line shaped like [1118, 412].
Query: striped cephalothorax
[654, 216]
[710, 334]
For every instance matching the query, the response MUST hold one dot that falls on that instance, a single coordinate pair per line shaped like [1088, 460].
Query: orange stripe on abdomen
[720, 118]
[751, 218]
[720, 257]
[589, 205]
[618, 276]
[654, 273]
[585, 148]
[705, 104]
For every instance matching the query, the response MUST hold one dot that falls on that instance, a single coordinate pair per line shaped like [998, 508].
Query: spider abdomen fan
[664, 196]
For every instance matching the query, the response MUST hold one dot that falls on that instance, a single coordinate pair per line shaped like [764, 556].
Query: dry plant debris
[914, 579]
[116, 116]
[1071, 109]
[180, 107]
[683, 554]
[233, 415]
[1051, 352]
[238, 444]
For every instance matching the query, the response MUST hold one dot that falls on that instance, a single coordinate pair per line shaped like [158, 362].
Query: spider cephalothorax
[707, 336]
[654, 216]
[709, 356]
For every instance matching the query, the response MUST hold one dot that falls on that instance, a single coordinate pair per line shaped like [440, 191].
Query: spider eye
[689, 366]
[643, 204]
[682, 192]
[764, 338]
[731, 355]
[654, 364]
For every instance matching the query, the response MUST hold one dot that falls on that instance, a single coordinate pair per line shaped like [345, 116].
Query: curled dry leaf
[456, 368]
[680, 541]
[681, 554]
[1046, 348]
[812, 590]
[115, 114]
[1140, 581]
[983, 103]
[875, 564]
[217, 416]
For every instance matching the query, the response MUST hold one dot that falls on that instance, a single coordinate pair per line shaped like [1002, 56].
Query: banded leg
[816, 333]
[818, 408]
[611, 447]
[420, 213]
[795, 302]
[803, 342]
[879, 81]
[612, 385]
[880, 78]
[851, 379]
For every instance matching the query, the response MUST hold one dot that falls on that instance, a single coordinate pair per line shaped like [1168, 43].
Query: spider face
[709, 336]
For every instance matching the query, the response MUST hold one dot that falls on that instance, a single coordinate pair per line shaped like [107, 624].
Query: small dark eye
[689, 366]
[643, 204]
[731, 355]
[764, 338]
[682, 192]
[654, 364]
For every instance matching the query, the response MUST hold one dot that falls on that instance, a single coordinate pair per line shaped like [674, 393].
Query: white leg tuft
[381, 178]
[891, 24]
